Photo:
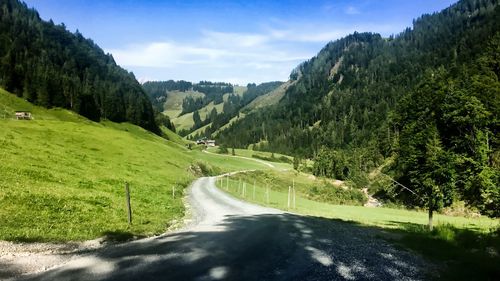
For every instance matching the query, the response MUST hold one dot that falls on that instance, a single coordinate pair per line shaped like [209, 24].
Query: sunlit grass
[251, 153]
[278, 184]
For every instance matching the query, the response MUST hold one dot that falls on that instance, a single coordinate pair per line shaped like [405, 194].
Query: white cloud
[164, 54]
[351, 10]
[231, 56]
[214, 38]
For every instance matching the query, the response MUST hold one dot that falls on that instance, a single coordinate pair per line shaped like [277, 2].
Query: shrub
[335, 195]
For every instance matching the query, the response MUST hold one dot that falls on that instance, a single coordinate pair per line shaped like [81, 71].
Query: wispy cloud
[244, 57]
[351, 10]
[217, 54]
[165, 54]
[214, 38]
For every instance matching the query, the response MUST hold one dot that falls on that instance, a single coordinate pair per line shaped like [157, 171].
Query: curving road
[233, 240]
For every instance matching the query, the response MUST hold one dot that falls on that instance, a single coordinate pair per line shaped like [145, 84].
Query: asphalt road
[234, 240]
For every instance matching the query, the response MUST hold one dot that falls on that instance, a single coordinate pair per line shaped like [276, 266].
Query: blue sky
[231, 41]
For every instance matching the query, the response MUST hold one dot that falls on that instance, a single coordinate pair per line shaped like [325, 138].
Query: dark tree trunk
[430, 218]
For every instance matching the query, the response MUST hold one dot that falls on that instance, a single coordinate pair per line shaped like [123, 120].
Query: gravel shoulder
[18, 259]
[227, 239]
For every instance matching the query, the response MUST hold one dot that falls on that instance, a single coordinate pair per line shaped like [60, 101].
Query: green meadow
[173, 104]
[62, 176]
[278, 183]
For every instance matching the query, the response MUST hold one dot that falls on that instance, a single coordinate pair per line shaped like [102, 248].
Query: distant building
[23, 115]
[210, 143]
[201, 141]
[205, 141]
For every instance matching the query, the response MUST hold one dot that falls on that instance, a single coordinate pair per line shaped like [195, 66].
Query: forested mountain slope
[364, 98]
[52, 67]
[206, 106]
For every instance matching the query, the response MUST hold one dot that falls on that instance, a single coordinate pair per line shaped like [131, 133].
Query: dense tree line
[347, 107]
[214, 91]
[191, 104]
[163, 120]
[448, 141]
[52, 67]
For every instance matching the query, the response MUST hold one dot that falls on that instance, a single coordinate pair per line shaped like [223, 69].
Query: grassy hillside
[268, 99]
[173, 137]
[239, 90]
[173, 104]
[62, 176]
[198, 131]
[234, 119]
[185, 121]
[173, 107]
[261, 101]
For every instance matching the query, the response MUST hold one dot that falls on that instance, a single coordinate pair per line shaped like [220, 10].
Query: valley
[258, 161]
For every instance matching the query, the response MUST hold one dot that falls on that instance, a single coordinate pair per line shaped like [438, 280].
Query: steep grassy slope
[185, 122]
[239, 90]
[173, 104]
[269, 99]
[260, 102]
[197, 132]
[62, 176]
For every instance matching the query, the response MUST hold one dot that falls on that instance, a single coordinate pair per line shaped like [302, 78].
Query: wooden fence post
[227, 183]
[267, 194]
[253, 190]
[294, 206]
[129, 208]
[173, 191]
[289, 194]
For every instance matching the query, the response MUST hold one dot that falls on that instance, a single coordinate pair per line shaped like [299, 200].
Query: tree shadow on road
[260, 247]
